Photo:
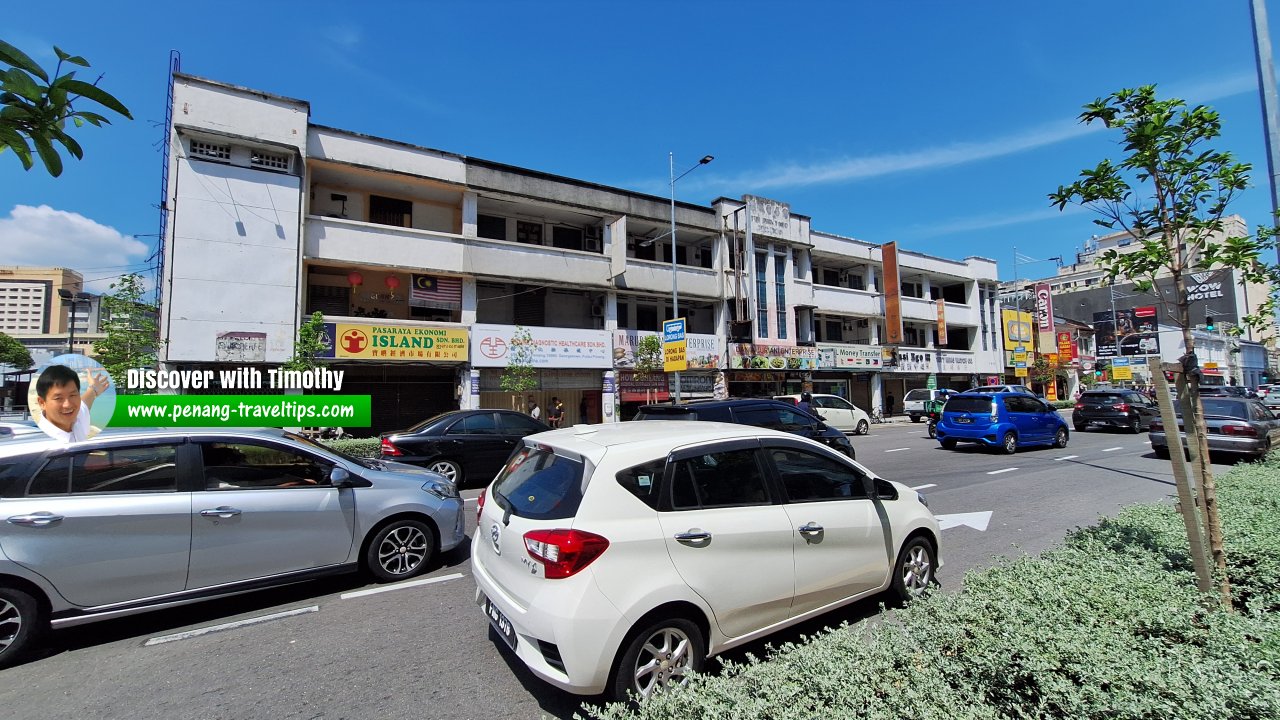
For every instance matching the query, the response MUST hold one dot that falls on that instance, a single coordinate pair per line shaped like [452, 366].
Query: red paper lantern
[355, 278]
[393, 282]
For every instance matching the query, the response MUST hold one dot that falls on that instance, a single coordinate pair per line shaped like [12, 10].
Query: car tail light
[1157, 425]
[1079, 406]
[389, 449]
[1122, 407]
[564, 552]
[480, 504]
[1241, 430]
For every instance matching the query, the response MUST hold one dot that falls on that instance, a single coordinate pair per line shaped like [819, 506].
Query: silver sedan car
[136, 520]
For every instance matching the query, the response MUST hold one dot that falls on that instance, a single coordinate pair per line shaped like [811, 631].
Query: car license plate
[964, 420]
[500, 623]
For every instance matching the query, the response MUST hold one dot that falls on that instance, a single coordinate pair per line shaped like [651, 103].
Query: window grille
[209, 151]
[271, 161]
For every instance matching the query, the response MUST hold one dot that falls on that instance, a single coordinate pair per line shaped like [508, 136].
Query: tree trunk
[1198, 444]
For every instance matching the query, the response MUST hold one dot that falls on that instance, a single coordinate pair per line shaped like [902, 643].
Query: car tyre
[913, 572]
[863, 428]
[1009, 443]
[1080, 427]
[1060, 438]
[933, 430]
[1135, 427]
[450, 469]
[1161, 452]
[20, 624]
[401, 549]
[916, 418]
[661, 655]
[948, 444]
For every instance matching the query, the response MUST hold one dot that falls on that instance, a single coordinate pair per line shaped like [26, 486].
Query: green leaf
[98, 95]
[17, 81]
[14, 57]
[52, 161]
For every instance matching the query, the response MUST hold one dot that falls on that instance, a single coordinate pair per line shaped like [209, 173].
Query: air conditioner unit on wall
[597, 308]
[848, 324]
[863, 322]
[591, 231]
[591, 244]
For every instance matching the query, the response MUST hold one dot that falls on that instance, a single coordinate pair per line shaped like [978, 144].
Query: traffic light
[1097, 373]
[1208, 322]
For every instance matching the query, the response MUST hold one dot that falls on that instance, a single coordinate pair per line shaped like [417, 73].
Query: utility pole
[1267, 90]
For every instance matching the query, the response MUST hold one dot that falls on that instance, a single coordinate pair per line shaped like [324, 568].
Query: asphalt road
[423, 651]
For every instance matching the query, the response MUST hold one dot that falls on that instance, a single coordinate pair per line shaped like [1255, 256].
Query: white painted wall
[340, 146]
[234, 260]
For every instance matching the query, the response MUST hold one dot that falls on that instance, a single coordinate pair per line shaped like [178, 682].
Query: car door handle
[220, 512]
[809, 528]
[39, 519]
[693, 536]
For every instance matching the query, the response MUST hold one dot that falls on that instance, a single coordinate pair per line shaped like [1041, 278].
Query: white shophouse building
[424, 263]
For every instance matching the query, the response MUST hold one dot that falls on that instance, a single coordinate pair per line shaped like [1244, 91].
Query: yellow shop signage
[395, 342]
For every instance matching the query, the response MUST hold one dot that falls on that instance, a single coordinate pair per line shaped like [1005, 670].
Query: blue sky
[942, 125]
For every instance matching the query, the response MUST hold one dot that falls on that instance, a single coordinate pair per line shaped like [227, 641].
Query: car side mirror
[340, 477]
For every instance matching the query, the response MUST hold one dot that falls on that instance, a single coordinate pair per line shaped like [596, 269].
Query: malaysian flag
[434, 291]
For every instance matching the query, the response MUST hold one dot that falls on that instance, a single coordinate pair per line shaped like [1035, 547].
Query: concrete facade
[274, 217]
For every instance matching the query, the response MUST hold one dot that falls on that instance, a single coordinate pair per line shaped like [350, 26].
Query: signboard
[932, 382]
[369, 341]
[1051, 392]
[651, 387]
[892, 295]
[1020, 354]
[1120, 369]
[1020, 372]
[1017, 328]
[942, 322]
[553, 347]
[1203, 287]
[756, 356]
[703, 352]
[1134, 332]
[1044, 308]
[673, 346]
[850, 357]
[1066, 347]
[239, 346]
[769, 217]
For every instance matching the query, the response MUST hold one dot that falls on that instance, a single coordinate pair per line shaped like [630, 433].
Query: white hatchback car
[836, 412]
[616, 558]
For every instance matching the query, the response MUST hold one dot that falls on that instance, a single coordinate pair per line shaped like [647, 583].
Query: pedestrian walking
[535, 412]
[888, 404]
[555, 414]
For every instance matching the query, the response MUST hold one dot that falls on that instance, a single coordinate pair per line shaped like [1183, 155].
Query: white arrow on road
[976, 520]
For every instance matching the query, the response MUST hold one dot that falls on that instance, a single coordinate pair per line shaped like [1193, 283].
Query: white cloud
[346, 36]
[44, 237]
[990, 221]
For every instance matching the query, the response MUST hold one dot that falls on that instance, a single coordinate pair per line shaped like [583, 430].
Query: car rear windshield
[666, 413]
[1101, 398]
[919, 394]
[1225, 408]
[538, 484]
[968, 404]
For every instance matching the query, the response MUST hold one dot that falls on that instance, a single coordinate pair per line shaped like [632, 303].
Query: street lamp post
[675, 286]
[68, 296]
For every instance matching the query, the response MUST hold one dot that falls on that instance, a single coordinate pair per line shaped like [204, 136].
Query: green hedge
[359, 447]
[1108, 626]
[1060, 404]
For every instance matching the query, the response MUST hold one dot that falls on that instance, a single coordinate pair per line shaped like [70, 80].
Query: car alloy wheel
[662, 655]
[863, 428]
[1010, 443]
[400, 550]
[1060, 439]
[913, 573]
[19, 623]
[1135, 427]
[449, 469]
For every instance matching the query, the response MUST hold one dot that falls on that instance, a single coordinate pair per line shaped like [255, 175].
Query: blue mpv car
[1001, 421]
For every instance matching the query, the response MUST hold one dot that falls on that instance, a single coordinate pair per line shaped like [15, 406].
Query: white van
[913, 403]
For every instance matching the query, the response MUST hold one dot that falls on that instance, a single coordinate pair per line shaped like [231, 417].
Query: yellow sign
[1051, 391]
[1020, 355]
[1020, 372]
[1121, 372]
[395, 342]
[674, 346]
[1017, 328]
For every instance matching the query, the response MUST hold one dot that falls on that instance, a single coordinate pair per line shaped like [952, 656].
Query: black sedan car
[466, 446]
[772, 414]
[1238, 426]
[1114, 407]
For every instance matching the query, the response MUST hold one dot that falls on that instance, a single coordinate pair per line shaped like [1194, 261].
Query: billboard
[1133, 332]
[1017, 329]
[942, 322]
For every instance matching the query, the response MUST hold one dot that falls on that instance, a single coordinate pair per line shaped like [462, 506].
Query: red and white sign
[553, 347]
[1044, 308]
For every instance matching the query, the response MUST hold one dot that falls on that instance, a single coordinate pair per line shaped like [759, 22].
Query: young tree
[309, 345]
[519, 376]
[35, 110]
[648, 358]
[1170, 191]
[14, 353]
[132, 336]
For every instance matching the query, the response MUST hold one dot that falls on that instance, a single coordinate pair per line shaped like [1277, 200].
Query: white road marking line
[1066, 457]
[1112, 449]
[228, 626]
[922, 487]
[1148, 442]
[897, 449]
[997, 472]
[399, 586]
